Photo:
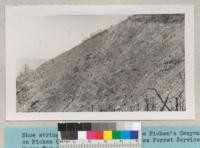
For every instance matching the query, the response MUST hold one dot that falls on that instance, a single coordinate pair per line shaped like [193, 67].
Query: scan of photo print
[100, 62]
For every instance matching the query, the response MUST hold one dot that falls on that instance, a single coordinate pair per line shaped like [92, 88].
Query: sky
[45, 37]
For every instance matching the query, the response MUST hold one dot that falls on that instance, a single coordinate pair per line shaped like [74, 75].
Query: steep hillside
[135, 65]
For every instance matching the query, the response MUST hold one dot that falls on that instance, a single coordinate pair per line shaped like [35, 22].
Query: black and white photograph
[108, 64]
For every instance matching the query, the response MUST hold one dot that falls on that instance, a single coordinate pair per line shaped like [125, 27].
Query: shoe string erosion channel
[100, 135]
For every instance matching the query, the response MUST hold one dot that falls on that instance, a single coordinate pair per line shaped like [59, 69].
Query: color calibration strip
[107, 135]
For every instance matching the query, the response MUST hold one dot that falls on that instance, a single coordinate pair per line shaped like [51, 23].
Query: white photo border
[188, 10]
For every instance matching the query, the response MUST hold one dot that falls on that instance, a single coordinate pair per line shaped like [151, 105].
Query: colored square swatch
[61, 127]
[125, 135]
[91, 135]
[107, 135]
[99, 134]
[63, 135]
[73, 135]
[116, 134]
[82, 135]
[134, 135]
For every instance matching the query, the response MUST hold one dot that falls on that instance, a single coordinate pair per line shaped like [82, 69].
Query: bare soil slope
[135, 65]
